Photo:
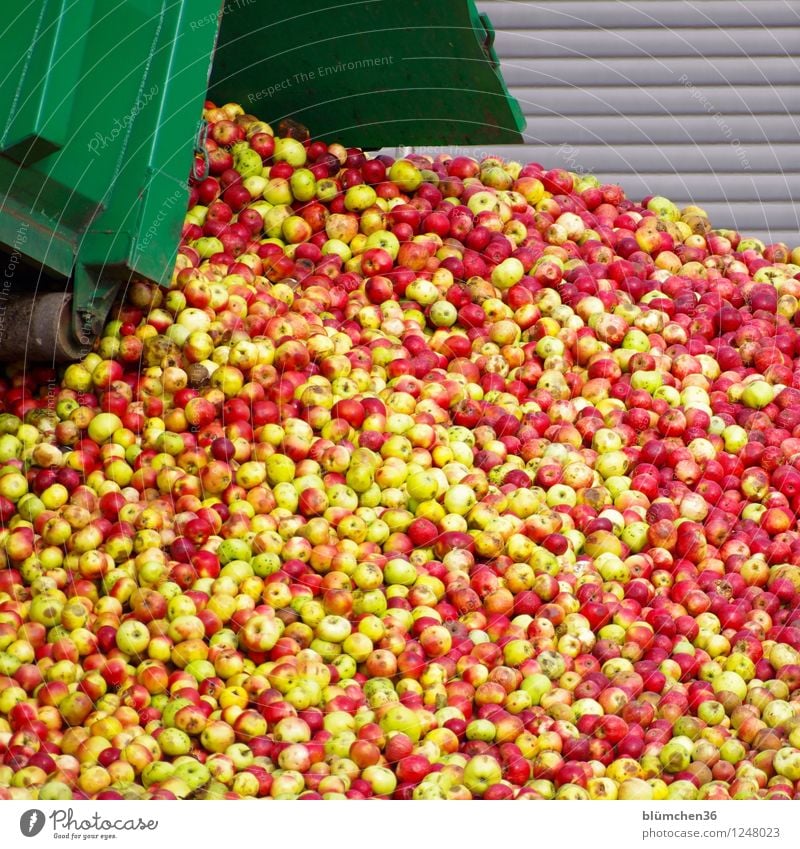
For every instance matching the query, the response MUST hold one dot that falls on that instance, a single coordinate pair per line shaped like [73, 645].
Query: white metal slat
[679, 14]
[737, 130]
[659, 100]
[654, 41]
[646, 71]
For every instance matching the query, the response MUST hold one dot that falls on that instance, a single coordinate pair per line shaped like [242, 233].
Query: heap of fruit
[427, 479]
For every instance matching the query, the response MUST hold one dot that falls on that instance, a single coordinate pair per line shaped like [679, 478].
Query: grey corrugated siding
[695, 100]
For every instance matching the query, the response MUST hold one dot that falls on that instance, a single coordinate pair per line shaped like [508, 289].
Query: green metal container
[102, 101]
[373, 73]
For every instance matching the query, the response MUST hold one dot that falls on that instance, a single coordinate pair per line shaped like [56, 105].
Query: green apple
[676, 755]
[443, 314]
[274, 218]
[289, 150]
[757, 395]
[303, 184]
[133, 637]
[406, 175]
[422, 486]
[386, 240]
[401, 572]
[400, 718]
[174, 742]
[732, 682]
[649, 381]
[360, 197]
[334, 629]
[55, 791]
[428, 790]
[636, 340]
[337, 247]
[246, 161]
[635, 536]
[787, 763]
[481, 729]
[460, 499]
[664, 208]
[508, 272]
[103, 426]
[423, 292]
[157, 772]
[255, 184]
[381, 779]
[278, 191]
[711, 712]
[735, 438]
[482, 201]
[480, 773]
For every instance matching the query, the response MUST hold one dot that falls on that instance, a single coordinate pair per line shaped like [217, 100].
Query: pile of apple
[428, 478]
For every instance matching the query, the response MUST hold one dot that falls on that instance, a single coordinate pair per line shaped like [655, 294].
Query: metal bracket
[488, 41]
[92, 297]
[200, 148]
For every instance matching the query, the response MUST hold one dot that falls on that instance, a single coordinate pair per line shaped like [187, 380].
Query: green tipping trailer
[103, 101]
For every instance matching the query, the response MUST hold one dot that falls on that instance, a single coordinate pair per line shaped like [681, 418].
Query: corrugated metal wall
[694, 99]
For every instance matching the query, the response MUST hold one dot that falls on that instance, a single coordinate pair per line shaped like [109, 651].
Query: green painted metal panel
[37, 106]
[101, 101]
